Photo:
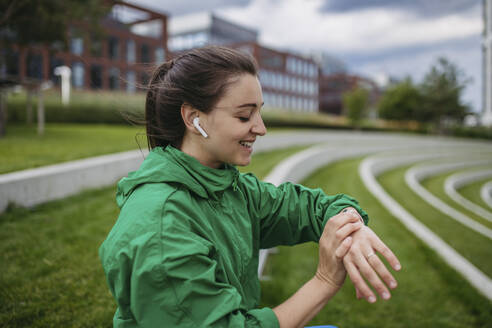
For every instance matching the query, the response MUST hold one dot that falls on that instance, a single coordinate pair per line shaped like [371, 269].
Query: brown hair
[199, 78]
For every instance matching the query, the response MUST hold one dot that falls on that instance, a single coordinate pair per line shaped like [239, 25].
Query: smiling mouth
[246, 144]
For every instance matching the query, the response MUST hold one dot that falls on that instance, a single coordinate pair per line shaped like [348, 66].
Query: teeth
[246, 144]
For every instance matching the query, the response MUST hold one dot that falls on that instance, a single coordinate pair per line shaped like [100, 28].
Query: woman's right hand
[333, 245]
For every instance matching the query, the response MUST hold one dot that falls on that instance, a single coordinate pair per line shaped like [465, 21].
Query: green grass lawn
[430, 294]
[22, 148]
[435, 185]
[50, 273]
[472, 193]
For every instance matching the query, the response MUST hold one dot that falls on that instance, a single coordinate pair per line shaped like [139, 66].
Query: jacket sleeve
[174, 283]
[291, 213]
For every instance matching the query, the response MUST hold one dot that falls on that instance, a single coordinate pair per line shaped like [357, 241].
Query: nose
[258, 125]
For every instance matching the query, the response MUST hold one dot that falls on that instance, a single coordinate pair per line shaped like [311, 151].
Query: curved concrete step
[414, 175]
[486, 193]
[458, 180]
[368, 171]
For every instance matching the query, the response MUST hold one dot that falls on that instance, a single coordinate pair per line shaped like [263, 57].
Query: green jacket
[184, 250]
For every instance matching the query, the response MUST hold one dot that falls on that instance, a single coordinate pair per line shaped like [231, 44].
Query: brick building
[289, 81]
[333, 86]
[134, 38]
[199, 29]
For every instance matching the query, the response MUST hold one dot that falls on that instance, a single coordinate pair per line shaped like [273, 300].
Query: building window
[11, 65]
[288, 64]
[130, 81]
[266, 99]
[96, 77]
[159, 55]
[246, 49]
[113, 48]
[130, 51]
[145, 53]
[114, 78]
[77, 45]
[34, 66]
[78, 75]
[268, 78]
[262, 77]
[278, 81]
[96, 46]
[200, 39]
[175, 43]
[144, 78]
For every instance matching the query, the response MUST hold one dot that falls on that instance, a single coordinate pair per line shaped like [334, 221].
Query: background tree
[442, 89]
[401, 101]
[43, 22]
[355, 103]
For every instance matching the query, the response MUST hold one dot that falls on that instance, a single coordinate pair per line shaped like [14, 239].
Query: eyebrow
[250, 105]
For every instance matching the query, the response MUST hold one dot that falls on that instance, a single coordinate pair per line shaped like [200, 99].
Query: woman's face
[234, 123]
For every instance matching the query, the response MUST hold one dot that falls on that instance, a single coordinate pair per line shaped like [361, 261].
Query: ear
[188, 113]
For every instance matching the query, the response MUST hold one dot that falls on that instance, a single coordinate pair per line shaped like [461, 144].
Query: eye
[243, 119]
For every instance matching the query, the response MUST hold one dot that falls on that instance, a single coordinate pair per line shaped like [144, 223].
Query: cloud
[375, 37]
[302, 25]
[426, 8]
[188, 6]
[464, 53]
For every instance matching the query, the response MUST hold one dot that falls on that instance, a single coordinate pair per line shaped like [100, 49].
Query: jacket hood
[172, 165]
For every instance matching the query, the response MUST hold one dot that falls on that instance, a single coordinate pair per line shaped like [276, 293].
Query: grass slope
[473, 246]
[435, 185]
[472, 193]
[22, 148]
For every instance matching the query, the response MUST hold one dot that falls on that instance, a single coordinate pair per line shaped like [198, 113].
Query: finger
[359, 283]
[372, 278]
[347, 230]
[352, 211]
[382, 271]
[387, 253]
[358, 295]
[340, 219]
[343, 248]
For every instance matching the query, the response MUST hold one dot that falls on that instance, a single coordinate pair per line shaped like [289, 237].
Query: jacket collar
[173, 166]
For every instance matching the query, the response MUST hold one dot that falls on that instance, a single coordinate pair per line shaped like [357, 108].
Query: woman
[184, 250]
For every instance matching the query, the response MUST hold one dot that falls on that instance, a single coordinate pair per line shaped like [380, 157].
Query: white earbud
[196, 123]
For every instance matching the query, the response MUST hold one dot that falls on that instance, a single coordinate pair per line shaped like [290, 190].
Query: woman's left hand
[362, 261]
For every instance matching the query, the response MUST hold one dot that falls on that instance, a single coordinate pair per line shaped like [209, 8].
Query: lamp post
[487, 63]
[65, 72]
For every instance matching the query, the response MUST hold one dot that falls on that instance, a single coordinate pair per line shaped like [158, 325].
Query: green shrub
[84, 107]
[355, 103]
[480, 132]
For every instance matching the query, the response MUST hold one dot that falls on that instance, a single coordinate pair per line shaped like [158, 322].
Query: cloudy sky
[375, 38]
